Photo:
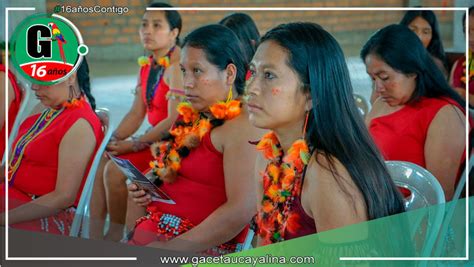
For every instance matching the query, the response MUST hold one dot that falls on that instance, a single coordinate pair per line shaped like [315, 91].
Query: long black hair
[435, 47]
[222, 47]
[84, 82]
[172, 16]
[335, 127]
[471, 8]
[244, 27]
[403, 51]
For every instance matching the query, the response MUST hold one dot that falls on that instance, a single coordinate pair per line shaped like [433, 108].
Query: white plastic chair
[23, 112]
[81, 219]
[247, 244]
[450, 212]
[425, 191]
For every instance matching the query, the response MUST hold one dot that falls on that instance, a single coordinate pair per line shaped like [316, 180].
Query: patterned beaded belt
[169, 226]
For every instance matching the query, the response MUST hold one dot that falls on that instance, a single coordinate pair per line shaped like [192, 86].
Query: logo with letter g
[47, 49]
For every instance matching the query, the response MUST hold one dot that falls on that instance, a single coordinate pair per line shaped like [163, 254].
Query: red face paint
[276, 91]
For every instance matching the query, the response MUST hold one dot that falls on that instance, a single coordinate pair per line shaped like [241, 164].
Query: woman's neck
[287, 135]
[159, 53]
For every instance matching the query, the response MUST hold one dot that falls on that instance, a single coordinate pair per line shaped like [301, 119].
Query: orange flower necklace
[186, 135]
[281, 185]
[464, 79]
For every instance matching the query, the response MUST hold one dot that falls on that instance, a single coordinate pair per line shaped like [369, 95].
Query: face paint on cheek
[276, 91]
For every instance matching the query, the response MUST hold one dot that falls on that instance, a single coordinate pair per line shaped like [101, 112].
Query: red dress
[198, 190]
[38, 170]
[401, 135]
[13, 109]
[156, 112]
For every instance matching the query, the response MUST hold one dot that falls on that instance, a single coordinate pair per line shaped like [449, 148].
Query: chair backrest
[23, 111]
[361, 104]
[424, 189]
[82, 211]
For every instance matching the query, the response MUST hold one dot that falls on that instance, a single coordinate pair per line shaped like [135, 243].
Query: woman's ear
[309, 104]
[72, 79]
[231, 74]
[174, 33]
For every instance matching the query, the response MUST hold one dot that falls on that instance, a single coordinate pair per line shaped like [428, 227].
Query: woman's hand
[120, 147]
[139, 196]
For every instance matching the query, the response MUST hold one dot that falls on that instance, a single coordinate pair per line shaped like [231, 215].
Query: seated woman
[319, 169]
[157, 95]
[417, 117]
[14, 100]
[425, 25]
[458, 77]
[48, 165]
[206, 165]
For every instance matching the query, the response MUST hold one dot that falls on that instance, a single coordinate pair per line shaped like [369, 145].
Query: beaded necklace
[43, 121]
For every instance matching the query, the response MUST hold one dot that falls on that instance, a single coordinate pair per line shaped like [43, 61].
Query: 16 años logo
[46, 49]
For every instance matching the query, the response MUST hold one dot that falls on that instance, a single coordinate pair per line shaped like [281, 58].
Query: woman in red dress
[14, 101]
[48, 166]
[418, 117]
[318, 169]
[206, 164]
[157, 95]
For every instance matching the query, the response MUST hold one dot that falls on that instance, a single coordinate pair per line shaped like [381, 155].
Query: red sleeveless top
[38, 169]
[13, 109]
[307, 225]
[37, 173]
[198, 190]
[158, 109]
[401, 135]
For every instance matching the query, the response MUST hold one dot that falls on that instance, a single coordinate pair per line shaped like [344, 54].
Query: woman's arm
[230, 218]
[157, 132]
[444, 145]
[75, 150]
[134, 118]
[332, 202]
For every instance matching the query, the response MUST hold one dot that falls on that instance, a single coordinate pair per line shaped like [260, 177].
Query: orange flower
[272, 191]
[233, 109]
[188, 113]
[218, 110]
[204, 127]
[267, 206]
[164, 61]
[273, 172]
[268, 145]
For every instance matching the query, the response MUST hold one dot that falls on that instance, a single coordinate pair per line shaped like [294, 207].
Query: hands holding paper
[139, 196]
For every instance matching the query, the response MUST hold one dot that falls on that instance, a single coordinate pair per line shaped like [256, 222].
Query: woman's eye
[269, 75]
[197, 71]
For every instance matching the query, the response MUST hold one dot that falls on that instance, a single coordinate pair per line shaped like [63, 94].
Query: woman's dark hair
[172, 16]
[335, 127]
[222, 47]
[403, 51]
[464, 19]
[244, 27]
[435, 47]
[83, 80]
